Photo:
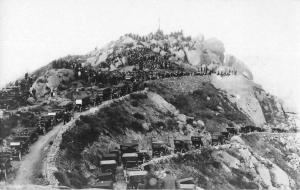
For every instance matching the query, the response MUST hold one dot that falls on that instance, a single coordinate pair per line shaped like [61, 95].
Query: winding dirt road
[30, 161]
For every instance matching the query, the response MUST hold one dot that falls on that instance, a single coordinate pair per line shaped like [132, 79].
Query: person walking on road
[65, 117]
[169, 182]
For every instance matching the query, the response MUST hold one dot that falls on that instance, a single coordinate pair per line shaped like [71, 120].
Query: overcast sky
[262, 33]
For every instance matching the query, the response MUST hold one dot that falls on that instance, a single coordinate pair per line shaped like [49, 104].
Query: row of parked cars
[15, 146]
[133, 81]
[133, 160]
[21, 140]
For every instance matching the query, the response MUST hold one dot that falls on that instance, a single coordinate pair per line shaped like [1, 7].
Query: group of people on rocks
[158, 35]
[143, 57]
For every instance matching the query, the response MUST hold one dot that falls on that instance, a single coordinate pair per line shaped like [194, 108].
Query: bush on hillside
[134, 103]
[138, 96]
[139, 116]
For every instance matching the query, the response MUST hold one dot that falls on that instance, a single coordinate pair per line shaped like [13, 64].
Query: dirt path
[50, 164]
[28, 164]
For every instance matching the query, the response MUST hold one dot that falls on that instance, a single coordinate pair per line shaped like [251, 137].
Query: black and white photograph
[149, 94]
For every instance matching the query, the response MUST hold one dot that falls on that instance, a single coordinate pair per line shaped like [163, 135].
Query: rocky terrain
[168, 109]
[153, 115]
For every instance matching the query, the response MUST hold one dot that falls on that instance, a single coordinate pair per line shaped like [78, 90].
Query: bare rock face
[279, 178]
[193, 56]
[161, 103]
[241, 92]
[215, 46]
[51, 81]
[31, 100]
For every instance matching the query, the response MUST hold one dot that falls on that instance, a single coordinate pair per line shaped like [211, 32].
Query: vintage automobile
[196, 141]
[226, 135]
[158, 148]
[129, 77]
[117, 91]
[106, 93]
[103, 185]
[134, 178]
[110, 156]
[129, 147]
[66, 106]
[182, 145]
[278, 130]
[32, 133]
[99, 98]
[18, 148]
[57, 113]
[5, 165]
[248, 129]
[217, 138]
[45, 123]
[187, 183]
[143, 156]
[82, 104]
[4, 114]
[108, 176]
[108, 166]
[130, 160]
[138, 86]
[117, 153]
[232, 131]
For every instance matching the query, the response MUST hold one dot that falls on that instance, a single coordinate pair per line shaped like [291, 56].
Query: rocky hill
[223, 95]
[129, 51]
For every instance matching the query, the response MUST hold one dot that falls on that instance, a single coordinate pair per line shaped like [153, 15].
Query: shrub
[76, 180]
[136, 126]
[134, 103]
[41, 80]
[138, 96]
[139, 116]
[171, 124]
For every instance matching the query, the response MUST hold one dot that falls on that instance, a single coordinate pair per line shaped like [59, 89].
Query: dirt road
[29, 163]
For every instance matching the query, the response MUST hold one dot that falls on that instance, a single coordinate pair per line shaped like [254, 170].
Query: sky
[265, 34]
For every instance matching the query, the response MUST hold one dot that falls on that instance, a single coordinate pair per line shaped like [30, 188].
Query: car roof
[136, 173]
[110, 154]
[104, 162]
[15, 143]
[158, 142]
[130, 155]
[143, 151]
[129, 144]
[186, 179]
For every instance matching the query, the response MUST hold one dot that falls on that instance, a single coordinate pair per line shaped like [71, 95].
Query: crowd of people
[143, 57]
[17, 94]
[158, 35]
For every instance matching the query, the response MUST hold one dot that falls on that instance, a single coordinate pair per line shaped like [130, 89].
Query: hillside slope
[162, 113]
[252, 162]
